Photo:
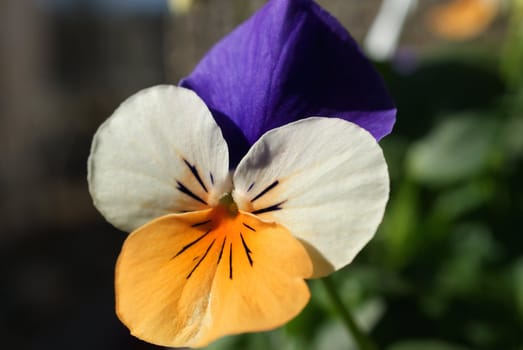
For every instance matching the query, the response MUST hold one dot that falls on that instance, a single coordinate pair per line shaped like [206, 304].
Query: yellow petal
[462, 19]
[188, 279]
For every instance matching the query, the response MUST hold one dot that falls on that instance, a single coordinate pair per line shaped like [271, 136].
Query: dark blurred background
[446, 268]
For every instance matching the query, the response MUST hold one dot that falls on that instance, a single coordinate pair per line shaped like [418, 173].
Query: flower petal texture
[160, 152]
[289, 61]
[187, 279]
[324, 179]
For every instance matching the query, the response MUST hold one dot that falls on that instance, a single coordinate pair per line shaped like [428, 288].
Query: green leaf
[333, 335]
[425, 345]
[400, 234]
[455, 202]
[518, 285]
[512, 136]
[512, 56]
[455, 150]
[472, 247]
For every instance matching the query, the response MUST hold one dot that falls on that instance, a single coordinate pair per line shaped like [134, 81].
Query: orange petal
[188, 279]
[462, 19]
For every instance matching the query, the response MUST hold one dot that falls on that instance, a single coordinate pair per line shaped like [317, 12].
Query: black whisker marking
[194, 171]
[200, 261]
[267, 189]
[201, 223]
[191, 244]
[230, 261]
[248, 252]
[181, 187]
[249, 227]
[221, 250]
[268, 209]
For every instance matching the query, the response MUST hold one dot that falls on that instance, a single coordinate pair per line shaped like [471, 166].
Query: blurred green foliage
[445, 271]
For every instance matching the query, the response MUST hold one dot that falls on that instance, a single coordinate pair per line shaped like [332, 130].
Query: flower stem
[360, 338]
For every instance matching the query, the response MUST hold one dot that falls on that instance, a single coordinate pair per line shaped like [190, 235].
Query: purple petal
[289, 61]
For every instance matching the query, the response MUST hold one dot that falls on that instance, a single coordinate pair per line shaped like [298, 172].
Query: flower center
[227, 204]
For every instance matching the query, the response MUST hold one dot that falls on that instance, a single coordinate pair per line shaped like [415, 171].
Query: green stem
[362, 340]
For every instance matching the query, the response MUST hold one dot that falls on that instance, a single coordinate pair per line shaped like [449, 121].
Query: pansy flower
[262, 170]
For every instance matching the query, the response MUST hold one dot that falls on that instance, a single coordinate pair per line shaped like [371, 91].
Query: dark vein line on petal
[200, 261]
[250, 187]
[267, 189]
[191, 244]
[249, 227]
[201, 223]
[181, 187]
[221, 250]
[248, 252]
[230, 261]
[268, 209]
[212, 178]
[194, 171]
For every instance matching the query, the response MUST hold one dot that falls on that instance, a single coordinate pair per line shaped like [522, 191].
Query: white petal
[158, 146]
[325, 179]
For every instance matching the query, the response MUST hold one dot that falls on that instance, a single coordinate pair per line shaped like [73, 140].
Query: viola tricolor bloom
[260, 171]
